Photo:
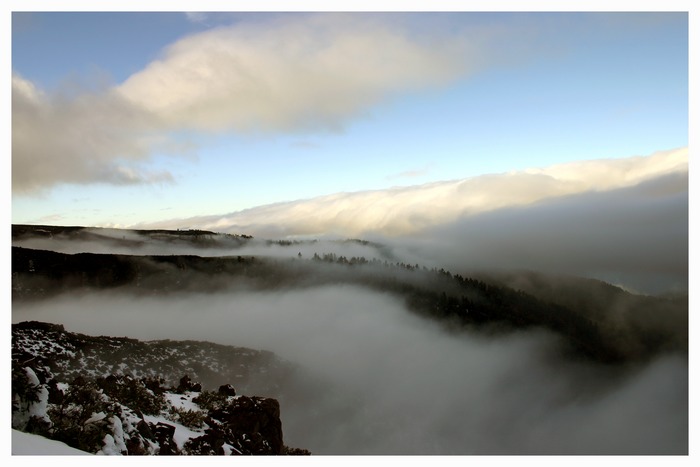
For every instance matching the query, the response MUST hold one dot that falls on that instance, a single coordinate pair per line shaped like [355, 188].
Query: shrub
[209, 400]
[192, 419]
[133, 394]
[74, 420]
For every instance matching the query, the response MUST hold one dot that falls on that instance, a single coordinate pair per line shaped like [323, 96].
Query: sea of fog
[402, 384]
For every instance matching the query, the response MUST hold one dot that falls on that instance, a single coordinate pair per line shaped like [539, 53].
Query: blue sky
[418, 98]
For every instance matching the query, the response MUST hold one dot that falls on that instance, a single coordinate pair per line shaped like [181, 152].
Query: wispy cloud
[196, 17]
[49, 219]
[304, 145]
[123, 175]
[409, 174]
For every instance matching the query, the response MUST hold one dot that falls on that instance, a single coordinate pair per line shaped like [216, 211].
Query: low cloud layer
[403, 211]
[623, 221]
[402, 384]
[636, 237]
[630, 229]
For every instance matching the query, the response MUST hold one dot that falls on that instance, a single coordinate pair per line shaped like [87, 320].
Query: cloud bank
[635, 237]
[624, 221]
[408, 210]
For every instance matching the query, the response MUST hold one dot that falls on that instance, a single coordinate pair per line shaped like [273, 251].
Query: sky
[227, 121]
[130, 118]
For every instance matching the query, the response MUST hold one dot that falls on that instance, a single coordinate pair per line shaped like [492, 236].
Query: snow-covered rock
[119, 414]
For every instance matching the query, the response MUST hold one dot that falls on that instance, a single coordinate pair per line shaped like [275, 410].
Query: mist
[621, 221]
[404, 211]
[125, 242]
[402, 384]
[636, 237]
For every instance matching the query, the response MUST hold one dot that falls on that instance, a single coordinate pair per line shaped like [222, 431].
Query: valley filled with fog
[554, 324]
[374, 376]
[400, 384]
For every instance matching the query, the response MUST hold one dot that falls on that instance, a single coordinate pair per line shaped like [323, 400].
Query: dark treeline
[21, 231]
[127, 237]
[436, 293]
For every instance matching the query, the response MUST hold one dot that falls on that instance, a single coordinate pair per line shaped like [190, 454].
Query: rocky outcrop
[186, 384]
[124, 415]
[250, 424]
[69, 354]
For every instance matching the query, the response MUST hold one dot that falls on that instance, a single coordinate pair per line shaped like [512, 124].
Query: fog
[403, 211]
[403, 384]
[125, 242]
[622, 221]
[636, 237]
[390, 382]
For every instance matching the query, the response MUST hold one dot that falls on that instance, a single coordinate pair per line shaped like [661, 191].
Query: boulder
[164, 434]
[186, 384]
[227, 390]
[251, 424]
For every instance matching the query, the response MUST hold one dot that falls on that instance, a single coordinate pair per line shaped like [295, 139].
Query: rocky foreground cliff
[120, 396]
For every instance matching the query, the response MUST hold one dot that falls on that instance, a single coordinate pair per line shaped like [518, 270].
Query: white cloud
[285, 73]
[623, 221]
[291, 73]
[78, 139]
[412, 173]
[613, 173]
[635, 236]
[408, 210]
[196, 17]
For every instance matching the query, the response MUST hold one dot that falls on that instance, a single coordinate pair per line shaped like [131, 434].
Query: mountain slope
[110, 395]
